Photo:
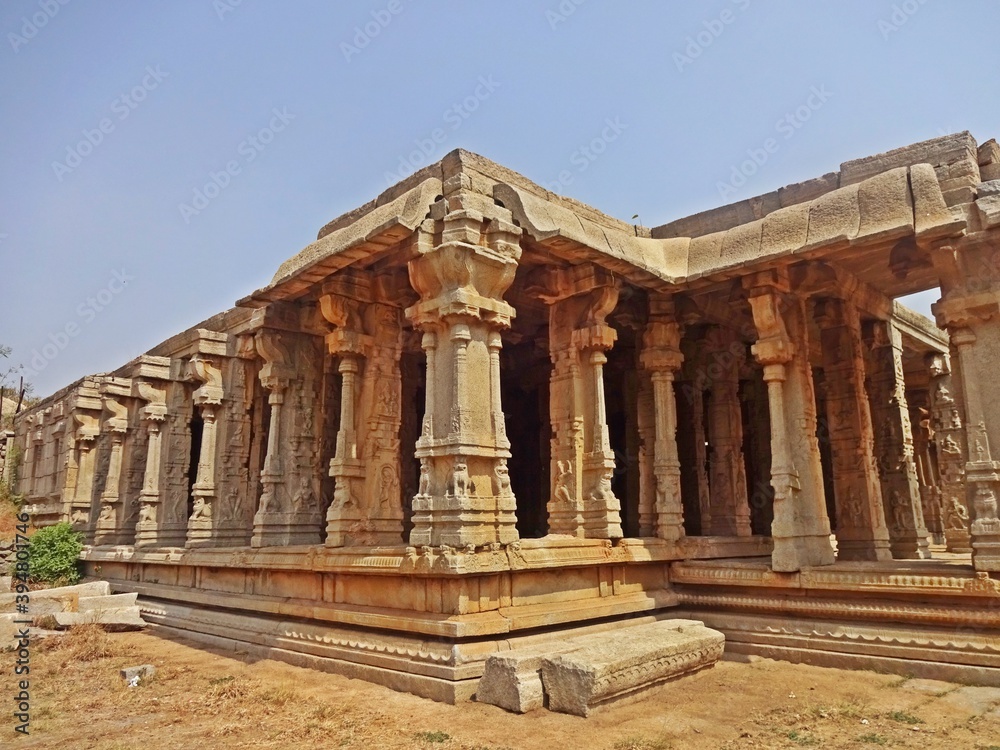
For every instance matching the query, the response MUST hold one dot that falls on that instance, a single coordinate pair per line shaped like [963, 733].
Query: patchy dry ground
[203, 699]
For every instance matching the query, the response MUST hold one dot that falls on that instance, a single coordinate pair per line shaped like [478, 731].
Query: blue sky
[161, 159]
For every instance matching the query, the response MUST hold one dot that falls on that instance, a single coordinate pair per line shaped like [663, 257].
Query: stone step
[596, 668]
[111, 601]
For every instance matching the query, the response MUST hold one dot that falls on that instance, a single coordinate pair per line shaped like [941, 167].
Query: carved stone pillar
[367, 506]
[730, 510]
[861, 528]
[972, 318]
[153, 415]
[110, 521]
[894, 441]
[801, 528]
[208, 400]
[464, 496]
[950, 440]
[661, 356]
[583, 503]
[289, 512]
[86, 458]
[924, 455]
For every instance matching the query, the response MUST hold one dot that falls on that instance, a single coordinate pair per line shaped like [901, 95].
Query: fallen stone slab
[934, 687]
[59, 599]
[112, 601]
[513, 680]
[626, 661]
[975, 700]
[143, 672]
[124, 618]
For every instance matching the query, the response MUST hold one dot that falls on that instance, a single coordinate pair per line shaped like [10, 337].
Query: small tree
[53, 555]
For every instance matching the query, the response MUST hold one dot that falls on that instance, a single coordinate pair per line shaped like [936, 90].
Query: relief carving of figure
[899, 511]
[304, 499]
[388, 487]
[79, 518]
[202, 510]
[425, 478]
[501, 476]
[957, 516]
[563, 482]
[342, 497]
[852, 508]
[461, 482]
[602, 492]
[107, 515]
[147, 514]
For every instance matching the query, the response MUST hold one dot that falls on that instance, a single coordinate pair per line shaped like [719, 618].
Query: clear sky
[162, 158]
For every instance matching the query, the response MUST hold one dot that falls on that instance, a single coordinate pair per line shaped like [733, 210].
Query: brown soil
[204, 699]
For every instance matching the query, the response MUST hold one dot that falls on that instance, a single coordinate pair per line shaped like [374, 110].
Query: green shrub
[53, 553]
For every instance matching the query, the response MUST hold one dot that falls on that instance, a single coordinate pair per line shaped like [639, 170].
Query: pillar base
[863, 549]
[910, 549]
[285, 529]
[791, 554]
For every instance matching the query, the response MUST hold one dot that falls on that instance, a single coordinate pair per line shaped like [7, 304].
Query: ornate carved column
[861, 528]
[367, 505]
[208, 400]
[150, 386]
[950, 440]
[894, 441]
[88, 428]
[801, 529]
[661, 356]
[109, 527]
[289, 511]
[464, 496]
[582, 503]
[722, 357]
[971, 314]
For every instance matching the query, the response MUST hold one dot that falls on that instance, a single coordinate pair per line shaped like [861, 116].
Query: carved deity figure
[563, 482]
[304, 500]
[957, 516]
[388, 487]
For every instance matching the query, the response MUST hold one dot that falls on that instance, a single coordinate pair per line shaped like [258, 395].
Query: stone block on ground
[513, 680]
[627, 661]
[59, 599]
[143, 671]
[933, 687]
[112, 601]
[124, 618]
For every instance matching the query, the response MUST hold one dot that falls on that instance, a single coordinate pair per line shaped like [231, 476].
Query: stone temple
[475, 421]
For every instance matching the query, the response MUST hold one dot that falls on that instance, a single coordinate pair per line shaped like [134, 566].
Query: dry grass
[200, 698]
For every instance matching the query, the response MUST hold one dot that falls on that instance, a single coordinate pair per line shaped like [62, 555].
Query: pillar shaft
[801, 529]
[861, 529]
[894, 441]
[464, 498]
